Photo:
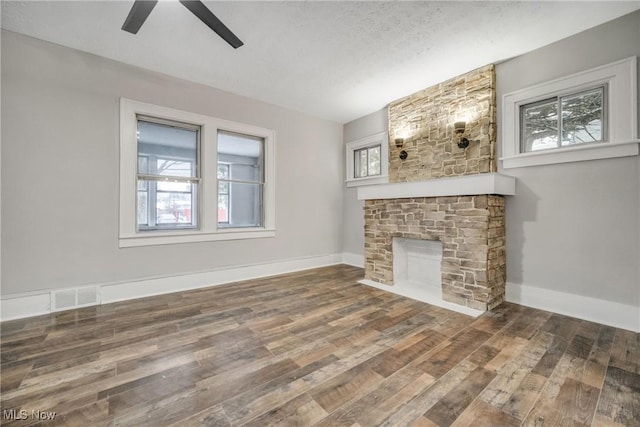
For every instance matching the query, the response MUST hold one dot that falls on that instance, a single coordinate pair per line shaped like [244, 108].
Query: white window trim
[370, 141]
[208, 230]
[622, 139]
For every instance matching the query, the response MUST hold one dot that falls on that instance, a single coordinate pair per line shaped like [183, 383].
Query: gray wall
[575, 227]
[60, 136]
[353, 217]
[572, 227]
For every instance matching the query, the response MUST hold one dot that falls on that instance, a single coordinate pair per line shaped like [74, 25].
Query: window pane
[173, 147]
[362, 162]
[223, 187]
[223, 208]
[244, 205]
[374, 160]
[143, 208]
[582, 117]
[243, 153]
[174, 209]
[539, 122]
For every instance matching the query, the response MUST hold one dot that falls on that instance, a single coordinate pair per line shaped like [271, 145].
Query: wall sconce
[459, 128]
[399, 144]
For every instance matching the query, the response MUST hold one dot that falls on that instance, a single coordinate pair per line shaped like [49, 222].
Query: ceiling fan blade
[205, 15]
[138, 14]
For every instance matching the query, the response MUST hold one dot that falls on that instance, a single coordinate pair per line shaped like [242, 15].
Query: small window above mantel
[367, 160]
[585, 116]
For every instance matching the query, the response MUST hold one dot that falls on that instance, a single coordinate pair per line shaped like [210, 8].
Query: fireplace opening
[417, 267]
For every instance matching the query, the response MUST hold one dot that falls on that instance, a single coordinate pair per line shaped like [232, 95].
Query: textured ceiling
[335, 60]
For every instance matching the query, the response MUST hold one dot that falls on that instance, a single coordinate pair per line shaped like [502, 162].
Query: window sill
[357, 182]
[169, 238]
[572, 154]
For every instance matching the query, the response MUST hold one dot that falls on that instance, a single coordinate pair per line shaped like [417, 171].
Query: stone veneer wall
[425, 120]
[472, 232]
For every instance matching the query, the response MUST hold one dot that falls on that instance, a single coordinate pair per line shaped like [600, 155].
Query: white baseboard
[353, 259]
[610, 313]
[164, 285]
[17, 306]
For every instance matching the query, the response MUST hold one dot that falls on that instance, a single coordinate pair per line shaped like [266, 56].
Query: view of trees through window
[367, 162]
[563, 121]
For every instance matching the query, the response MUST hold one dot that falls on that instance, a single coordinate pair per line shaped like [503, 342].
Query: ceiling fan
[142, 8]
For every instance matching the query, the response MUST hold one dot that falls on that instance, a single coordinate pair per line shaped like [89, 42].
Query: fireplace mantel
[467, 185]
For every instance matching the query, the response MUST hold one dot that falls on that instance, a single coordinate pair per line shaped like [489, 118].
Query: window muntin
[240, 180]
[367, 162]
[562, 121]
[167, 175]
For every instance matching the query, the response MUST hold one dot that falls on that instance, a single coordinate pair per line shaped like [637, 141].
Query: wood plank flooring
[314, 348]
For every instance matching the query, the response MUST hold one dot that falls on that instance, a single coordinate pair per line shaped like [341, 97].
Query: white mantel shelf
[467, 185]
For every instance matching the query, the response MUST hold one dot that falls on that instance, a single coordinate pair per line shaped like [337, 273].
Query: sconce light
[459, 128]
[399, 142]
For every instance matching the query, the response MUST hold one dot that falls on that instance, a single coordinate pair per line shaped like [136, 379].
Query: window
[240, 185]
[167, 174]
[186, 177]
[585, 116]
[563, 121]
[368, 160]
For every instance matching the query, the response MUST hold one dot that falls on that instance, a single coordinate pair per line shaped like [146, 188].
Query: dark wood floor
[315, 348]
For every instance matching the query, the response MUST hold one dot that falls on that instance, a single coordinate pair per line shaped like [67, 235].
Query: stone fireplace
[465, 214]
[442, 193]
[471, 230]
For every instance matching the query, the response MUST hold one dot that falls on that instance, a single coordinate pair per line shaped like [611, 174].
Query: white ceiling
[335, 60]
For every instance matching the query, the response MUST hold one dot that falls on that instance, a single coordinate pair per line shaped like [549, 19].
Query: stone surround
[471, 229]
[425, 120]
